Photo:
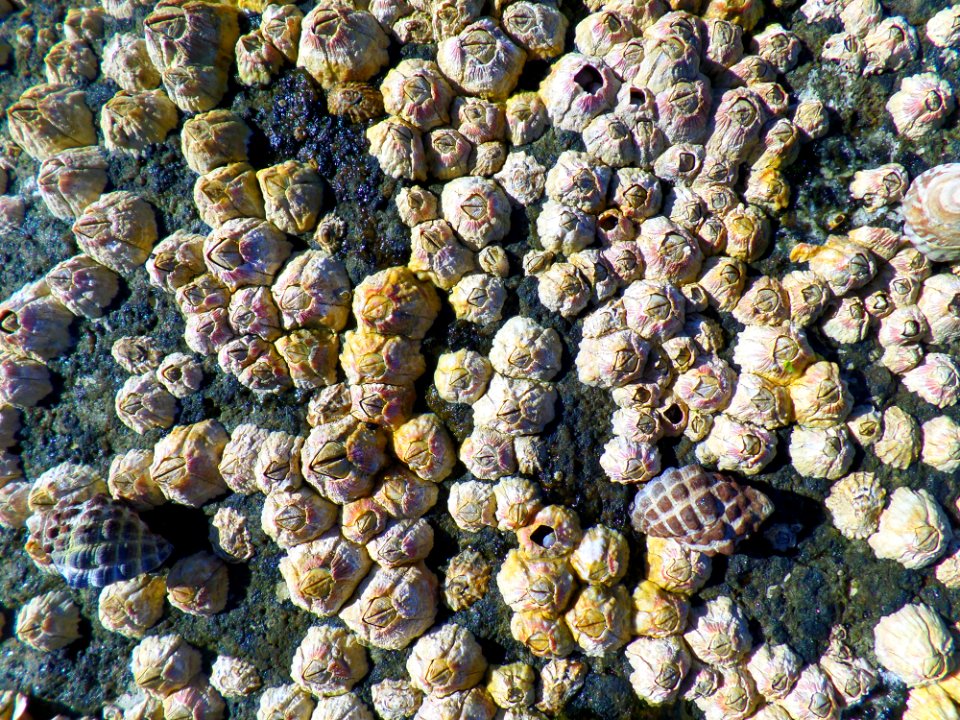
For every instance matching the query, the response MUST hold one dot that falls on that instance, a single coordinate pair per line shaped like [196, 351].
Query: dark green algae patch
[794, 580]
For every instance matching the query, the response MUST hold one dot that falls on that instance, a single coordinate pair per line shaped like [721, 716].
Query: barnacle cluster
[650, 162]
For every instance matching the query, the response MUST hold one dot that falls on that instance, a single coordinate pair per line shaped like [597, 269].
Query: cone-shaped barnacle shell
[394, 302]
[659, 667]
[472, 506]
[673, 567]
[67, 483]
[941, 444]
[553, 532]
[880, 186]
[131, 121]
[358, 102]
[292, 195]
[544, 635]
[478, 298]
[657, 612]
[474, 703]
[718, 634]
[913, 529]
[930, 701]
[288, 702]
[612, 360]
[176, 260]
[417, 92]
[477, 209]
[578, 89]
[322, 575]
[512, 686]
[394, 606]
[899, 446]
[313, 291]
[72, 179]
[329, 661]
[296, 516]
[462, 376]
[437, 255]
[936, 380]
[921, 105]
[466, 580]
[939, 302]
[163, 664]
[821, 452]
[229, 535]
[943, 29]
[23, 382]
[764, 303]
[579, 181]
[820, 396]
[525, 350]
[759, 402]
[129, 479]
[599, 619]
[853, 677]
[33, 323]
[481, 60]
[489, 454]
[185, 463]
[931, 208]
[125, 61]
[842, 264]
[131, 607]
[775, 669]
[197, 699]
[424, 446]
[48, 622]
[14, 510]
[402, 543]
[118, 231]
[915, 644]
[395, 699]
[601, 556]
[214, 139]
[565, 228]
[197, 584]
[339, 44]
[398, 148]
[779, 355]
[234, 677]
[446, 660]
[49, 118]
[855, 503]
[535, 585]
[813, 696]
[737, 446]
[807, 296]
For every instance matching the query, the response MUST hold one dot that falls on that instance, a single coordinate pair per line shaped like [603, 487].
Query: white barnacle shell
[880, 186]
[941, 444]
[899, 446]
[855, 502]
[931, 209]
[913, 529]
[775, 670]
[853, 677]
[936, 380]
[813, 697]
[718, 634]
[524, 349]
[659, 667]
[943, 29]
[915, 644]
[820, 396]
[921, 105]
[737, 446]
[821, 452]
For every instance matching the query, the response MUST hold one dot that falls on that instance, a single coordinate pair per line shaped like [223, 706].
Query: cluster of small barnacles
[871, 43]
[670, 108]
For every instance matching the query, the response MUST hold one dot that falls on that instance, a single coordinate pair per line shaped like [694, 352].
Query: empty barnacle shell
[659, 667]
[553, 532]
[163, 664]
[329, 661]
[341, 44]
[913, 529]
[49, 118]
[48, 622]
[723, 511]
[481, 60]
[577, 89]
[915, 644]
[394, 606]
[131, 607]
[70, 180]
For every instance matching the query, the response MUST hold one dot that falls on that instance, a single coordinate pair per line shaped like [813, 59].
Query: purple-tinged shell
[99, 542]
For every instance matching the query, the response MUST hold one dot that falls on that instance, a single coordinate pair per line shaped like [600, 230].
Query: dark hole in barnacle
[608, 222]
[673, 413]
[589, 78]
[543, 536]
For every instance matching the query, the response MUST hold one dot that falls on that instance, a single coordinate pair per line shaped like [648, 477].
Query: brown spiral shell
[932, 212]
